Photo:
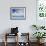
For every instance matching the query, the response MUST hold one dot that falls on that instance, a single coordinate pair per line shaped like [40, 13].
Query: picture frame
[18, 13]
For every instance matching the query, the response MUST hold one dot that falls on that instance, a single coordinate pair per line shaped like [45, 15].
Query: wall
[24, 25]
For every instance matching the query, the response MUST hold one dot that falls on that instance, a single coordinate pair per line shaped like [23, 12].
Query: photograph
[18, 13]
[22, 22]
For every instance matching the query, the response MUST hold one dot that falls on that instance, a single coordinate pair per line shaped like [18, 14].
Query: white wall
[24, 25]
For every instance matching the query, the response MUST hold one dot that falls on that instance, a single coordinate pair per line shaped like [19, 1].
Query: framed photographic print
[18, 13]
